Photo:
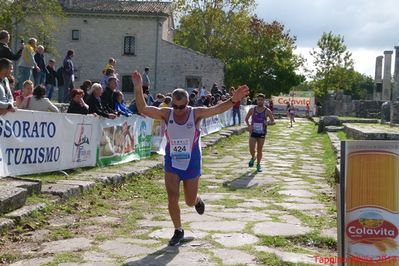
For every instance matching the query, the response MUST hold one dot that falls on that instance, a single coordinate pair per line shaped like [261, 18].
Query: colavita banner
[369, 196]
[300, 104]
[35, 142]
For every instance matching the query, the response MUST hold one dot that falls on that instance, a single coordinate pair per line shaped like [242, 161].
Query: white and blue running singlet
[183, 149]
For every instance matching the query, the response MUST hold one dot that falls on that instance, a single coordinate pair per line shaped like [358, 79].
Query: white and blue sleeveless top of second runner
[183, 148]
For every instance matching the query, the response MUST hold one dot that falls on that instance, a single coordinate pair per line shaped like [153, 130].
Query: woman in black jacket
[94, 102]
[77, 104]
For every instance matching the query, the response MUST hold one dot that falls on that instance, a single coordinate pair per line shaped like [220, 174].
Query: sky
[369, 27]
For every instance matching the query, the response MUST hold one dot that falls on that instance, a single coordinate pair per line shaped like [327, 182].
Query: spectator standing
[307, 110]
[27, 62]
[60, 82]
[68, 70]
[6, 99]
[39, 74]
[77, 104]
[271, 107]
[38, 102]
[51, 77]
[146, 80]
[110, 65]
[5, 51]
[110, 72]
[237, 113]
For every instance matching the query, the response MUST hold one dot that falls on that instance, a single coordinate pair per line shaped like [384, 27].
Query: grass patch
[269, 259]
[273, 241]
[329, 160]
[228, 203]
[7, 258]
[65, 257]
[343, 136]
[314, 240]
[61, 233]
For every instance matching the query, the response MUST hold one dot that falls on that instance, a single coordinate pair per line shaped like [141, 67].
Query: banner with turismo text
[35, 142]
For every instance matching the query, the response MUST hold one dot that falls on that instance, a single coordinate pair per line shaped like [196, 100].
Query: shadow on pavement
[160, 257]
[244, 181]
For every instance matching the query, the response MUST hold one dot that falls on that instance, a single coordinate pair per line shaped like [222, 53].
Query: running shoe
[251, 162]
[176, 238]
[200, 206]
[258, 168]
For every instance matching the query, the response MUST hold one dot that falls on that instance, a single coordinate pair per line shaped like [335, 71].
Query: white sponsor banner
[35, 142]
[280, 104]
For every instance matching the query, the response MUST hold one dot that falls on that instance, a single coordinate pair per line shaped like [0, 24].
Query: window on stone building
[127, 84]
[75, 35]
[192, 83]
[129, 45]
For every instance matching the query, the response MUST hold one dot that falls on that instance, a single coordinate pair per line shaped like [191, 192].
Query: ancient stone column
[395, 90]
[386, 81]
[378, 78]
[395, 112]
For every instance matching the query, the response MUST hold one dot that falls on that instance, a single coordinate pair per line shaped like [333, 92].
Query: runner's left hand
[137, 80]
[240, 93]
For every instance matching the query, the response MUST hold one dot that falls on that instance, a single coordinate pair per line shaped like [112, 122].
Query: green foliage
[31, 18]
[333, 64]
[254, 52]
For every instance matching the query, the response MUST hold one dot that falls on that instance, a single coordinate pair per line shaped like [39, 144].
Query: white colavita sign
[280, 104]
[35, 142]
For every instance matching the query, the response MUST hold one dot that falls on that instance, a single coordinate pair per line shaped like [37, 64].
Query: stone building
[138, 35]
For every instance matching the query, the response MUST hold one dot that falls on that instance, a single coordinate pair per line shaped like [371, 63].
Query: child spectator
[26, 91]
[51, 78]
[120, 106]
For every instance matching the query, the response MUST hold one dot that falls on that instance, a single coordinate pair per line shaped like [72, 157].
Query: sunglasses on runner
[174, 106]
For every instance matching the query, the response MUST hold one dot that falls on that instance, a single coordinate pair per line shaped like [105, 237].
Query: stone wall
[102, 37]
[345, 106]
[395, 112]
[179, 63]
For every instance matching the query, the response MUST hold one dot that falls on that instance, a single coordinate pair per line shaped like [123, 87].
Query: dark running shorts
[258, 135]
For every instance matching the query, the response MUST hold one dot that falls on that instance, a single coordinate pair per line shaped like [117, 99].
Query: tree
[254, 52]
[333, 64]
[31, 18]
[361, 86]
[208, 26]
[266, 59]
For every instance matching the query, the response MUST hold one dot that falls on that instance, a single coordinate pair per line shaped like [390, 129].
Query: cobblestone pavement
[284, 215]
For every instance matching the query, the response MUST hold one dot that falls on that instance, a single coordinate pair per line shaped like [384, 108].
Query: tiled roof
[117, 6]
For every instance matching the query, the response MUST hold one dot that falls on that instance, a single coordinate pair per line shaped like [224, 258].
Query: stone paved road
[284, 215]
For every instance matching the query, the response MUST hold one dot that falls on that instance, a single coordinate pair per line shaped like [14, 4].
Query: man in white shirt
[6, 99]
